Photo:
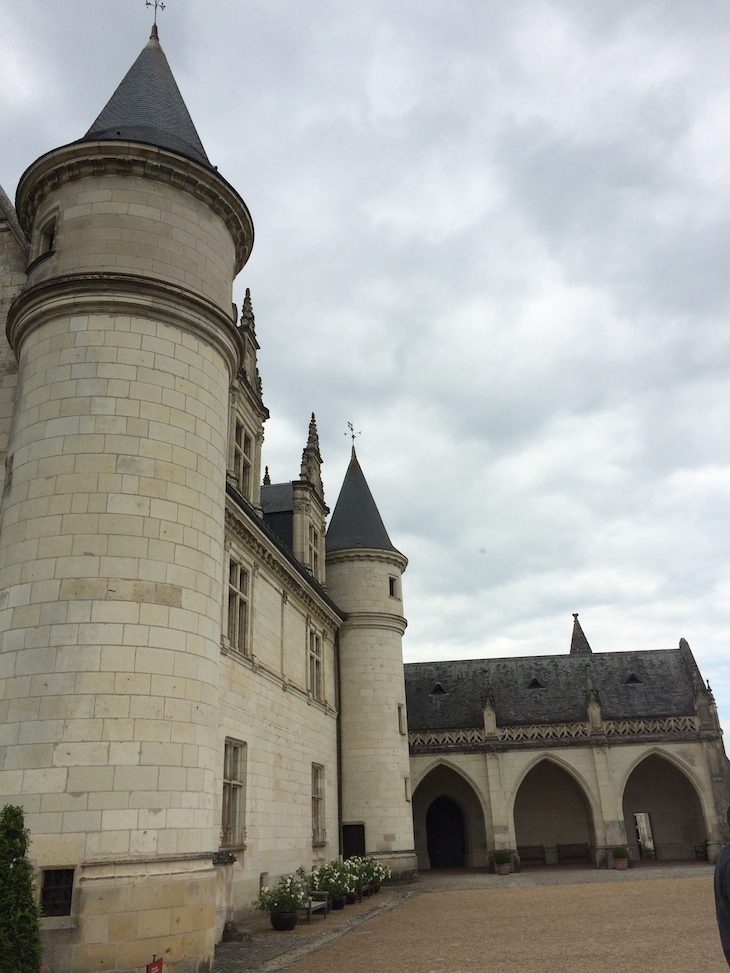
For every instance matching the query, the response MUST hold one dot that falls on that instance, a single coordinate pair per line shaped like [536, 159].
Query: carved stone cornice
[395, 558]
[82, 159]
[129, 294]
[543, 735]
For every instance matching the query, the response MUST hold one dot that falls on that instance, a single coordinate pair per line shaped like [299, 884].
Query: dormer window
[633, 680]
[438, 690]
[535, 684]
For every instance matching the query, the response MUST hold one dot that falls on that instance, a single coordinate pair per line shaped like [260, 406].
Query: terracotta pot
[283, 921]
[503, 869]
[620, 863]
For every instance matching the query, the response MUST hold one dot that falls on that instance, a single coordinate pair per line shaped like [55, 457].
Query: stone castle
[202, 680]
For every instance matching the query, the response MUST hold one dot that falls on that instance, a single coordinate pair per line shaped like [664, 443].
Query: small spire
[579, 643]
[267, 478]
[311, 469]
[247, 316]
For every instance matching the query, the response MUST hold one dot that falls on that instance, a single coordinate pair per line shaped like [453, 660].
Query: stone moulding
[127, 295]
[82, 159]
[474, 737]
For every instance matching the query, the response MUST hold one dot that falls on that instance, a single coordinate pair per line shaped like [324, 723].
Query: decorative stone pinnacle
[247, 316]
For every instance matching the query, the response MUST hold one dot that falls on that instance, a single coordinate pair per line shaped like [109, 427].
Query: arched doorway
[445, 834]
[662, 812]
[553, 820]
[448, 821]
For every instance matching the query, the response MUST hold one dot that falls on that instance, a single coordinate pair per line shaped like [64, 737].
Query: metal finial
[352, 434]
[155, 4]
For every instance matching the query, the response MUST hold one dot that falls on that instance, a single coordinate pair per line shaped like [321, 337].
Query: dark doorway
[445, 834]
[353, 840]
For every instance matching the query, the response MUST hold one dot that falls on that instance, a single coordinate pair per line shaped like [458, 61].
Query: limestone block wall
[139, 211]
[112, 539]
[376, 786]
[265, 703]
[13, 263]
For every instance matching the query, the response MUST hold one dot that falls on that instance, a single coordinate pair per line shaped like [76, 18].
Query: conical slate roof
[579, 643]
[356, 521]
[148, 107]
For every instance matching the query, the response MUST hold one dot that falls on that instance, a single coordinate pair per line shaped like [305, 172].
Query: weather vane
[352, 434]
[155, 4]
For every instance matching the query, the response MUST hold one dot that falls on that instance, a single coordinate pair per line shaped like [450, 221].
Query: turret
[364, 572]
[112, 523]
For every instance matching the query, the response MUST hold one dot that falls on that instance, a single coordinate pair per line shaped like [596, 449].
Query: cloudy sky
[494, 235]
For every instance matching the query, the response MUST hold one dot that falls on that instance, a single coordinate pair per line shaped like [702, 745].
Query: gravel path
[576, 921]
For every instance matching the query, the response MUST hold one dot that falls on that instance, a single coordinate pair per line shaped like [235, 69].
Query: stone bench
[577, 852]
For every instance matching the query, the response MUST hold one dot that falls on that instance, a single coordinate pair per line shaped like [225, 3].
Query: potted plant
[335, 880]
[620, 857]
[503, 861]
[283, 901]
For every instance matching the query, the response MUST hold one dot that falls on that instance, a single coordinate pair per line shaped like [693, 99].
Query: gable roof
[665, 688]
[356, 521]
[148, 107]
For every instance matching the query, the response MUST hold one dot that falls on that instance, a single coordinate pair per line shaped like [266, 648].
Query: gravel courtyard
[596, 923]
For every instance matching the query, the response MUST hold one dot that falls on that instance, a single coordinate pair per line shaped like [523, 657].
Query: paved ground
[657, 919]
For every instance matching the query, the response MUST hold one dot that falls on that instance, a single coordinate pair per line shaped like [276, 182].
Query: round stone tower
[364, 578]
[112, 524]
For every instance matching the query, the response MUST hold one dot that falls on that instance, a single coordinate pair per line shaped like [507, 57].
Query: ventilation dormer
[438, 690]
[535, 684]
[633, 680]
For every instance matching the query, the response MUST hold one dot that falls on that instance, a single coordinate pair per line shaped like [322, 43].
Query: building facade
[201, 679]
[560, 758]
[173, 714]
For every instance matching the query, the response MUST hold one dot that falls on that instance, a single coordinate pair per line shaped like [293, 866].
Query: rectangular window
[407, 785]
[393, 587]
[238, 582]
[233, 831]
[242, 459]
[56, 892]
[319, 833]
[313, 550]
[402, 728]
[315, 666]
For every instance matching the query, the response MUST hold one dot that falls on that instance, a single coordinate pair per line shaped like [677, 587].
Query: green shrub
[502, 857]
[20, 937]
[620, 851]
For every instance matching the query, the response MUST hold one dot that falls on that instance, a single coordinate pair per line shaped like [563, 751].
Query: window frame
[315, 665]
[233, 794]
[319, 830]
[238, 606]
[243, 454]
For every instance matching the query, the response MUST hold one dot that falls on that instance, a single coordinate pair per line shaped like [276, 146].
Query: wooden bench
[532, 854]
[578, 852]
[316, 902]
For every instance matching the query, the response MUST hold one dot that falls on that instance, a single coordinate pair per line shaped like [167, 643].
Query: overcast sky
[492, 234]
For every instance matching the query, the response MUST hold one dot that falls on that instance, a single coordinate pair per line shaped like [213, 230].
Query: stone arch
[455, 797]
[553, 813]
[660, 786]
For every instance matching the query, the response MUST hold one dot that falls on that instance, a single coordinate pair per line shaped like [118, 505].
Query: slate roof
[356, 521]
[662, 686]
[148, 107]
[277, 503]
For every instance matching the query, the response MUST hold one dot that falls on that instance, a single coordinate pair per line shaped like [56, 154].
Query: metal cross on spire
[155, 4]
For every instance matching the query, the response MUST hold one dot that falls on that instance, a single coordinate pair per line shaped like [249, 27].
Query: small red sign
[155, 967]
